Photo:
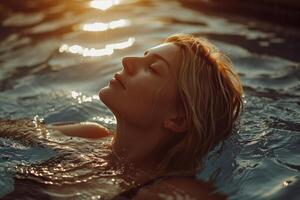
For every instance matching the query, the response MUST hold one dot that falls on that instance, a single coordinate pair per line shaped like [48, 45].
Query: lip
[119, 79]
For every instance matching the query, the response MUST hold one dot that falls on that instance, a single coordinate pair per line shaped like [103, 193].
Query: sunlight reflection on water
[83, 98]
[99, 26]
[103, 4]
[52, 69]
[93, 52]
[106, 120]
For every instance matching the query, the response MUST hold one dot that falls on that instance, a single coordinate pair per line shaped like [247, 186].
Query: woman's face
[145, 91]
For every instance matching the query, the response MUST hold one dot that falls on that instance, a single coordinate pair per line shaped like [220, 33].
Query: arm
[84, 129]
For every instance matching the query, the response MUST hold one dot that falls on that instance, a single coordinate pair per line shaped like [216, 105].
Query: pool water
[56, 54]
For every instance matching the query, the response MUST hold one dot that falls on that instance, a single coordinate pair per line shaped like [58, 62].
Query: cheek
[167, 98]
[151, 92]
[143, 88]
[135, 103]
[142, 102]
[142, 98]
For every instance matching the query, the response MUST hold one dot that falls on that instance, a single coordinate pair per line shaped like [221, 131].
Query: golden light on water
[93, 52]
[121, 45]
[81, 98]
[285, 183]
[106, 119]
[105, 26]
[103, 4]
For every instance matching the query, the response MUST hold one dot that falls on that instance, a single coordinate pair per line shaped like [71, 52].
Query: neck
[140, 147]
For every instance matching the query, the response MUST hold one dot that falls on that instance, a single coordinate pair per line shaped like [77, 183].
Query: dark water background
[52, 66]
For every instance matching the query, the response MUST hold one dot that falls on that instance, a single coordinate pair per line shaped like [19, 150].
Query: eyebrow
[158, 57]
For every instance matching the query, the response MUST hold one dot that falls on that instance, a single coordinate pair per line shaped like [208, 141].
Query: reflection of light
[119, 23]
[75, 94]
[106, 119]
[103, 4]
[95, 27]
[108, 50]
[121, 45]
[76, 49]
[104, 26]
[81, 98]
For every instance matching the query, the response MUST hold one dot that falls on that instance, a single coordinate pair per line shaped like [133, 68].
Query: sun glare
[81, 98]
[92, 52]
[103, 4]
[99, 26]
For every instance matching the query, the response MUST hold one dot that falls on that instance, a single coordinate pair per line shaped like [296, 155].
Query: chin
[103, 95]
[107, 98]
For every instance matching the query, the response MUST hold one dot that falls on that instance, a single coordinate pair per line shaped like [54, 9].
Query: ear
[177, 124]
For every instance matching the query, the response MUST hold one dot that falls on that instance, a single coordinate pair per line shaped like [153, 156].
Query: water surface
[56, 54]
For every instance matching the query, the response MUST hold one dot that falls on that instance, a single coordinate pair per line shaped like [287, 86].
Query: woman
[172, 106]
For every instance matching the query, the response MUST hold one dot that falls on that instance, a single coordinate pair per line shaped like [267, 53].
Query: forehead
[169, 51]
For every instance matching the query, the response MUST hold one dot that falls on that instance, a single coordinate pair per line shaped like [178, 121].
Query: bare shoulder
[180, 188]
[84, 129]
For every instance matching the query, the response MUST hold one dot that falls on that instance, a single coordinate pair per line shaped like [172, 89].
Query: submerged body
[172, 106]
[90, 163]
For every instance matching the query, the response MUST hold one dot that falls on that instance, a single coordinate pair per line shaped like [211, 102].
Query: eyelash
[153, 70]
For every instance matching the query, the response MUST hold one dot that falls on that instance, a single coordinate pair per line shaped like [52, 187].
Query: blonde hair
[211, 94]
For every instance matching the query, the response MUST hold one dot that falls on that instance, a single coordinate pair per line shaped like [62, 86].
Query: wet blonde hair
[211, 94]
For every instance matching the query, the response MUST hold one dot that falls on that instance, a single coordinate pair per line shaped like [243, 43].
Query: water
[56, 54]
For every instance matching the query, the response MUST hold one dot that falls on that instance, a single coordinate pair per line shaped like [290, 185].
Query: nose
[129, 65]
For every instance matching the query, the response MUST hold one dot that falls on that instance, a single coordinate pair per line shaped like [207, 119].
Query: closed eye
[152, 69]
